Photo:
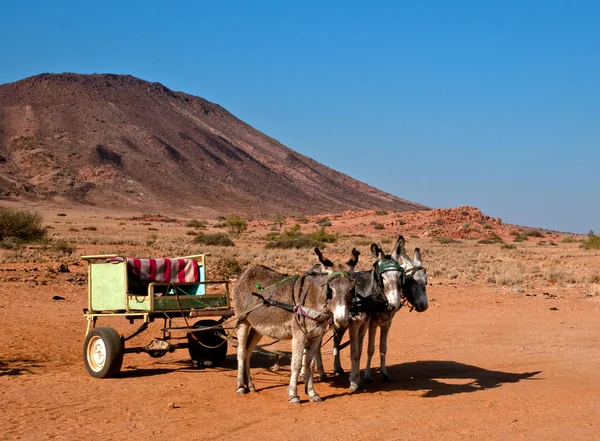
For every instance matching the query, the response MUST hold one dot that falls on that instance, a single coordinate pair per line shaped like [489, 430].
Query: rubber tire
[110, 348]
[201, 354]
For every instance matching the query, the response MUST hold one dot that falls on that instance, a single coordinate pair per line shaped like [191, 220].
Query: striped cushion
[163, 270]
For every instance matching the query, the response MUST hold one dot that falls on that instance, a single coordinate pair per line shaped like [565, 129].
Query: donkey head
[388, 275]
[339, 287]
[415, 277]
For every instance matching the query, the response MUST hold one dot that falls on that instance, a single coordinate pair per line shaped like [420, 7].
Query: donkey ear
[375, 250]
[417, 255]
[398, 248]
[354, 260]
[324, 261]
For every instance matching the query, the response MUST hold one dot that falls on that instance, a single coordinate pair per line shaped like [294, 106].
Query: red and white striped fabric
[164, 270]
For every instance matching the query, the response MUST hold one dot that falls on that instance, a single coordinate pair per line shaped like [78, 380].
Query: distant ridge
[116, 141]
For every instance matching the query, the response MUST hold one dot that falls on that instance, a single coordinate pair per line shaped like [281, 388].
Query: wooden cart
[171, 290]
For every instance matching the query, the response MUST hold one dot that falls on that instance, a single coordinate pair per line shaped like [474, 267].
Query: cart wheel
[103, 352]
[208, 348]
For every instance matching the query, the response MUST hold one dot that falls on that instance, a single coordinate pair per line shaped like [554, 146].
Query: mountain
[116, 141]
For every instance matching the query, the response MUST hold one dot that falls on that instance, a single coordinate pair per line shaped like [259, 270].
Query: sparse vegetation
[447, 240]
[381, 213]
[235, 224]
[592, 242]
[220, 239]
[64, 247]
[21, 225]
[534, 233]
[195, 223]
[91, 228]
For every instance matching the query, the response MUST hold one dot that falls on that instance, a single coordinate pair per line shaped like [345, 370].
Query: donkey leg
[355, 383]
[370, 351]
[319, 363]
[337, 341]
[312, 350]
[242, 337]
[298, 345]
[383, 350]
[252, 340]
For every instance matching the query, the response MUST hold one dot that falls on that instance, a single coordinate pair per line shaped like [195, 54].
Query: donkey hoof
[323, 377]
[367, 379]
[315, 399]
[252, 388]
[294, 400]
[338, 372]
[354, 387]
[387, 378]
[241, 391]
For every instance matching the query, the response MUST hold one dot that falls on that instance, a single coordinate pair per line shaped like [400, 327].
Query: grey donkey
[371, 314]
[414, 290]
[320, 296]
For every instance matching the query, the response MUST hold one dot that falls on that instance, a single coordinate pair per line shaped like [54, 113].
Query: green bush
[323, 236]
[23, 225]
[235, 224]
[302, 219]
[221, 239]
[381, 213]
[195, 223]
[592, 243]
[568, 239]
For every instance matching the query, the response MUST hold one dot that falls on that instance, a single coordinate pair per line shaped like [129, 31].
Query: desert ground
[508, 349]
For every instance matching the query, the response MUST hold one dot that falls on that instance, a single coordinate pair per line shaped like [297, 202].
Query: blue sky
[494, 104]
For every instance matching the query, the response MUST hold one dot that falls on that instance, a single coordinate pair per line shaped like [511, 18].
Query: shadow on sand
[229, 364]
[438, 378]
[17, 367]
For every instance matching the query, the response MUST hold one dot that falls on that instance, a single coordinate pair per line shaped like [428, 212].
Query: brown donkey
[303, 308]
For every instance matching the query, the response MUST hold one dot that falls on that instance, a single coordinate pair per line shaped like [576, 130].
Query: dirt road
[481, 363]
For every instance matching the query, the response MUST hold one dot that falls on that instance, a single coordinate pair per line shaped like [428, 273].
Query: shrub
[195, 223]
[568, 239]
[235, 224]
[492, 238]
[221, 239]
[229, 267]
[401, 222]
[61, 214]
[508, 246]
[592, 243]
[23, 225]
[303, 241]
[302, 219]
[279, 220]
[73, 229]
[92, 228]
[323, 236]
[534, 233]
[487, 226]
[447, 240]
[440, 222]
[9, 243]
[62, 246]
[381, 213]
[377, 226]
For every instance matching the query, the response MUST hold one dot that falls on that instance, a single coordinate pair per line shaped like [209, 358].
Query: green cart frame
[112, 292]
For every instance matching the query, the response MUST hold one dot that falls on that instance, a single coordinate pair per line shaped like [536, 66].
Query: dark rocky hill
[116, 141]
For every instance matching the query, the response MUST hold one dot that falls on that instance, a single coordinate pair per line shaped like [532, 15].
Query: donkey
[379, 289]
[317, 298]
[414, 290]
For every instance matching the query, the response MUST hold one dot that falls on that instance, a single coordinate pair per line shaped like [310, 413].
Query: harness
[298, 308]
[376, 303]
